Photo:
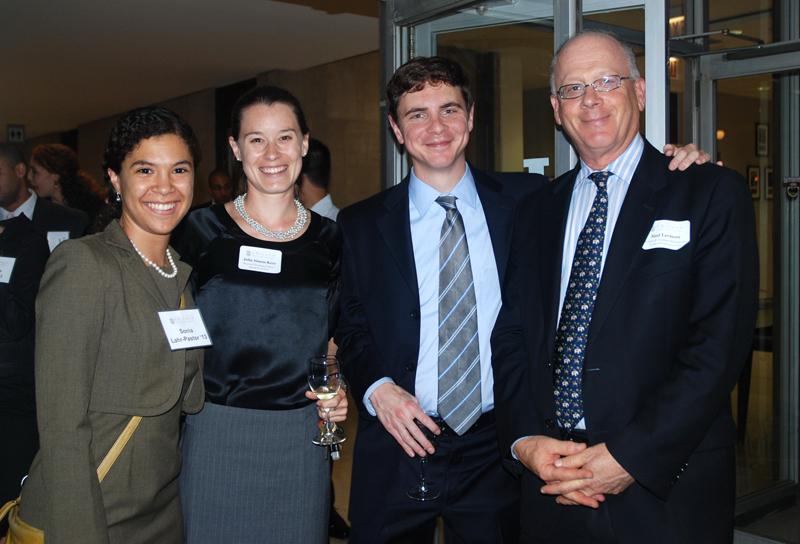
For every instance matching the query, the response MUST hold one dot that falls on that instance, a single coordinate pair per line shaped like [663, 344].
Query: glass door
[749, 114]
[506, 47]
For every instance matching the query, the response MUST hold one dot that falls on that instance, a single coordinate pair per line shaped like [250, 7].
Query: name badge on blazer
[184, 329]
[260, 259]
[6, 266]
[55, 237]
[667, 234]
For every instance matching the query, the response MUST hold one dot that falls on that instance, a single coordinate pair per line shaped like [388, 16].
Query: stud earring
[119, 197]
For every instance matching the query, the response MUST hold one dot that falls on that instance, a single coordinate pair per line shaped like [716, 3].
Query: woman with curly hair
[103, 359]
[55, 173]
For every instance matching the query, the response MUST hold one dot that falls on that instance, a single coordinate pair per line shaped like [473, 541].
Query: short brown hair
[420, 71]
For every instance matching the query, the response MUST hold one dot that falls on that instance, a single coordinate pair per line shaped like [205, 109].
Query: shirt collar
[423, 195]
[623, 166]
[26, 208]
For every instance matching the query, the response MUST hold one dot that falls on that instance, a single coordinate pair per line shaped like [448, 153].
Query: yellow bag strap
[119, 445]
[124, 437]
[6, 508]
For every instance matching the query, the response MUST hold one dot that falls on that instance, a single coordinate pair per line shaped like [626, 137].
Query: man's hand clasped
[574, 473]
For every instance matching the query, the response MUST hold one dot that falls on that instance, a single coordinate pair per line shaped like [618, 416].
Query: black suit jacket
[378, 332]
[49, 216]
[668, 337]
[29, 248]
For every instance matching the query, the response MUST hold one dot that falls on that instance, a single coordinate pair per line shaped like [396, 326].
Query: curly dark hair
[133, 127]
[418, 72]
[266, 95]
[140, 124]
[80, 190]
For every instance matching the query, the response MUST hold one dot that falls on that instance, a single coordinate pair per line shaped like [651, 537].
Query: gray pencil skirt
[254, 477]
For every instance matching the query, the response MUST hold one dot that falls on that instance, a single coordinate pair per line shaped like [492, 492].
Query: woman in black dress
[266, 280]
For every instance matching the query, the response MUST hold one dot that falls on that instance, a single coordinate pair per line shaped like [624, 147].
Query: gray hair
[626, 49]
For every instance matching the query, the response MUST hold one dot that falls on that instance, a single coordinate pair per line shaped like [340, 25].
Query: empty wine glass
[424, 490]
[325, 380]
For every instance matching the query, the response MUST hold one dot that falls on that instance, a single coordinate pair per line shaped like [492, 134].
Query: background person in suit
[627, 314]
[315, 179]
[23, 253]
[102, 355]
[53, 220]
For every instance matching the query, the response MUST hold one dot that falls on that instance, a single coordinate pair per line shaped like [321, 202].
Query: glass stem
[328, 427]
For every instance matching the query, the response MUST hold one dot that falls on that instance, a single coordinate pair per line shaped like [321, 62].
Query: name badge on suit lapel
[6, 267]
[184, 329]
[667, 234]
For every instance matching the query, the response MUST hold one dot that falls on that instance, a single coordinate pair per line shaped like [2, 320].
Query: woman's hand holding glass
[337, 406]
[327, 386]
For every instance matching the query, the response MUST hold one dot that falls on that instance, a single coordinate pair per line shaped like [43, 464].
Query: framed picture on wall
[762, 139]
[768, 183]
[754, 181]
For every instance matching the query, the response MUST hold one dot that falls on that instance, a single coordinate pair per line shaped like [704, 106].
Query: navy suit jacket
[669, 334]
[378, 331]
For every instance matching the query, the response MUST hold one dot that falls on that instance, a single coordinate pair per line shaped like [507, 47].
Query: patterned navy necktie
[459, 399]
[576, 312]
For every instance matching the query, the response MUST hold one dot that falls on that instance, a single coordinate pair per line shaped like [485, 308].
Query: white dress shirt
[26, 207]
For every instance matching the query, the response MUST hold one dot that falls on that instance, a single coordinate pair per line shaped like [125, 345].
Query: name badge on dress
[260, 259]
[6, 266]
[184, 329]
[55, 237]
[668, 234]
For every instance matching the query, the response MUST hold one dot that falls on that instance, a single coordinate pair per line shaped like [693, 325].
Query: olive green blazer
[101, 357]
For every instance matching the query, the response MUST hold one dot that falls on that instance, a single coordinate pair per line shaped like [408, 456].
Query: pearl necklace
[148, 262]
[291, 232]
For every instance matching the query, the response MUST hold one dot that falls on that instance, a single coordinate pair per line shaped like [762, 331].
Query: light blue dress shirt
[426, 217]
[583, 193]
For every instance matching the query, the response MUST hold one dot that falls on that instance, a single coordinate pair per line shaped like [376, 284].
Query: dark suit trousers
[479, 500]
[15, 455]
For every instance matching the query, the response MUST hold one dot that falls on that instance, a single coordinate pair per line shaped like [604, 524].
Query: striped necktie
[576, 312]
[459, 399]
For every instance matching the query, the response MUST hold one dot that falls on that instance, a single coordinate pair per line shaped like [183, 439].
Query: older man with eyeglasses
[628, 309]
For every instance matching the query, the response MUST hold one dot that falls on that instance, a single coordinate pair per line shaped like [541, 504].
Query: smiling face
[42, 181]
[434, 125]
[600, 125]
[155, 182]
[271, 147]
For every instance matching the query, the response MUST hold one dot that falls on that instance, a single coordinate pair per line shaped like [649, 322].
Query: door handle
[792, 187]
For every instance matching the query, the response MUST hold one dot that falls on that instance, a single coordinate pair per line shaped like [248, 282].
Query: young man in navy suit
[628, 309]
[398, 336]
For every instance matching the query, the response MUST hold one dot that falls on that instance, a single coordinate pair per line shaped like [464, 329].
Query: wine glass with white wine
[325, 380]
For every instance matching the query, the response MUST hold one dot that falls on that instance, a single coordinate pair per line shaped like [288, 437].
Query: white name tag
[6, 266]
[260, 259]
[184, 329]
[55, 237]
[668, 234]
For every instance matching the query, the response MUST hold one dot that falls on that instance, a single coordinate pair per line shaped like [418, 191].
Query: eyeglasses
[603, 85]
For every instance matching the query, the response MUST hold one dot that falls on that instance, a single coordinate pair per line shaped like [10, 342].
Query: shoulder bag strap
[118, 446]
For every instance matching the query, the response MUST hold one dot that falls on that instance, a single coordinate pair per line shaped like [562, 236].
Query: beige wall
[341, 103]
[197, 109]
[340, 100]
